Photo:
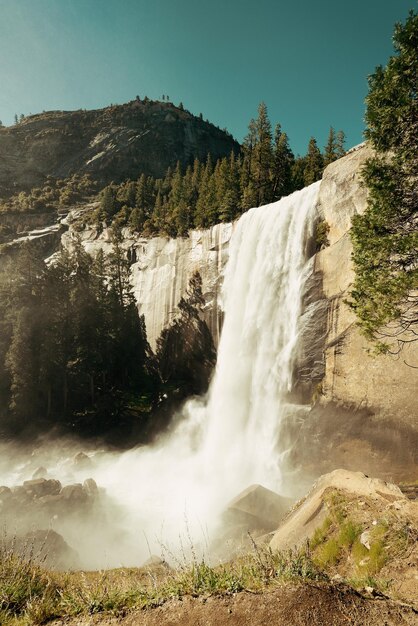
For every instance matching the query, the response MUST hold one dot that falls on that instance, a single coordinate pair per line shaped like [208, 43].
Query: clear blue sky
[308, 60]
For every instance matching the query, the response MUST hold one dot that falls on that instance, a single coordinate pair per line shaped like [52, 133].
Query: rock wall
[354, 376]
[161, 269]
[334, 356]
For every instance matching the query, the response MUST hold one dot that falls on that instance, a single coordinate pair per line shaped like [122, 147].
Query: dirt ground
[288, 605]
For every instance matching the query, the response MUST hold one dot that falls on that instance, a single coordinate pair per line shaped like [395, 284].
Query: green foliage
[385, 237]
[320, 534]
[328, 553]
[321, 234]
[54, 194]
[72, 344]
[314, 163]
[23, 585]
[185, 350]
[334, 148]
[206, 193]
[349, 532]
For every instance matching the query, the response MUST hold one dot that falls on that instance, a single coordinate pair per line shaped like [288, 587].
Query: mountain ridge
[110, 144]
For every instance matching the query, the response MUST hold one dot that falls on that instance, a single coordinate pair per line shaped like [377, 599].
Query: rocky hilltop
[115, 143]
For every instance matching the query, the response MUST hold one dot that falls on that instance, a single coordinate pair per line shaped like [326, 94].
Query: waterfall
[220, 444]
[224, 443]
[262, 294]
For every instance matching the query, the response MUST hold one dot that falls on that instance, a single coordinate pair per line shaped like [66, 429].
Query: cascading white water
[229, 440]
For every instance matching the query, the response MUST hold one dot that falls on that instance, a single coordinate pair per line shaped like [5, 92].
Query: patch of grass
[24, 586]
[328, 553]
[320, 533]
[359, 551]
[349, 532]
[31, 596]
[368, 581]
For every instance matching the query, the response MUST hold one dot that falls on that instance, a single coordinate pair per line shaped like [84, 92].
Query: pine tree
[109, 204]
[298, 171]
[384, 238]
[282, 168]
[314, 164]
[340, 143]
[330, 151]
[178, 214]
[262, 157]
[206, 208]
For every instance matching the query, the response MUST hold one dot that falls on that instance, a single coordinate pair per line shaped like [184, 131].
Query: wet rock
[21, 495]
[155, 561]
[257, 508]
[41, 472]
[46, 547]
[5, 494]
[90, 488]
[82, 461]
[42, 487]
[73, 493]
[51, 499]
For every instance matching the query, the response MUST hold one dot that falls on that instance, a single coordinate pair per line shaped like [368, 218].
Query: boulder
[5, 494]
[39, 487]
[82, 461]
[90, 488]
[155, 561]
[46, 547]
[40, 472]
[256, 509]
[310, 512]
[73, 493]
[21, 495]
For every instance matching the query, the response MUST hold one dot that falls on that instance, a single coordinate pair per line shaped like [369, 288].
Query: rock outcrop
[161, 269]
[256, 509]
[311, 512]
[355, 376]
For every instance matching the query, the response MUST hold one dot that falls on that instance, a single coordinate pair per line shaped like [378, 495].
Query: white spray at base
[229, 442]
[221, 444]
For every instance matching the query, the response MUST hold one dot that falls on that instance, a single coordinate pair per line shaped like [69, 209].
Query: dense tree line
[74, 353]
[72, 346]
[207, 193]
[385, 237]
[54, 194]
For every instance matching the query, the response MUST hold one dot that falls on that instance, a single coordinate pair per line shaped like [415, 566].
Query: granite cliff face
[114, 143]
[364, 411]
[161, 269]
[353, 375]
[333, 352]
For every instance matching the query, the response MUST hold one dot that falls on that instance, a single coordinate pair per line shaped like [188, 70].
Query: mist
[168, 498]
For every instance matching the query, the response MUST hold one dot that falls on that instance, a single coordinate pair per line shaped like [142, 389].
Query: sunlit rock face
[353, 374]
[161, 269]
[334, 366]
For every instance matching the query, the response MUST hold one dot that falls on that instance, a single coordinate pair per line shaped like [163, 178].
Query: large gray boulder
[256, 509]
[310, 512]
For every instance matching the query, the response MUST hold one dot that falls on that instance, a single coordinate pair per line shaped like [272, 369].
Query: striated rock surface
[161, 269]
[353, 375]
